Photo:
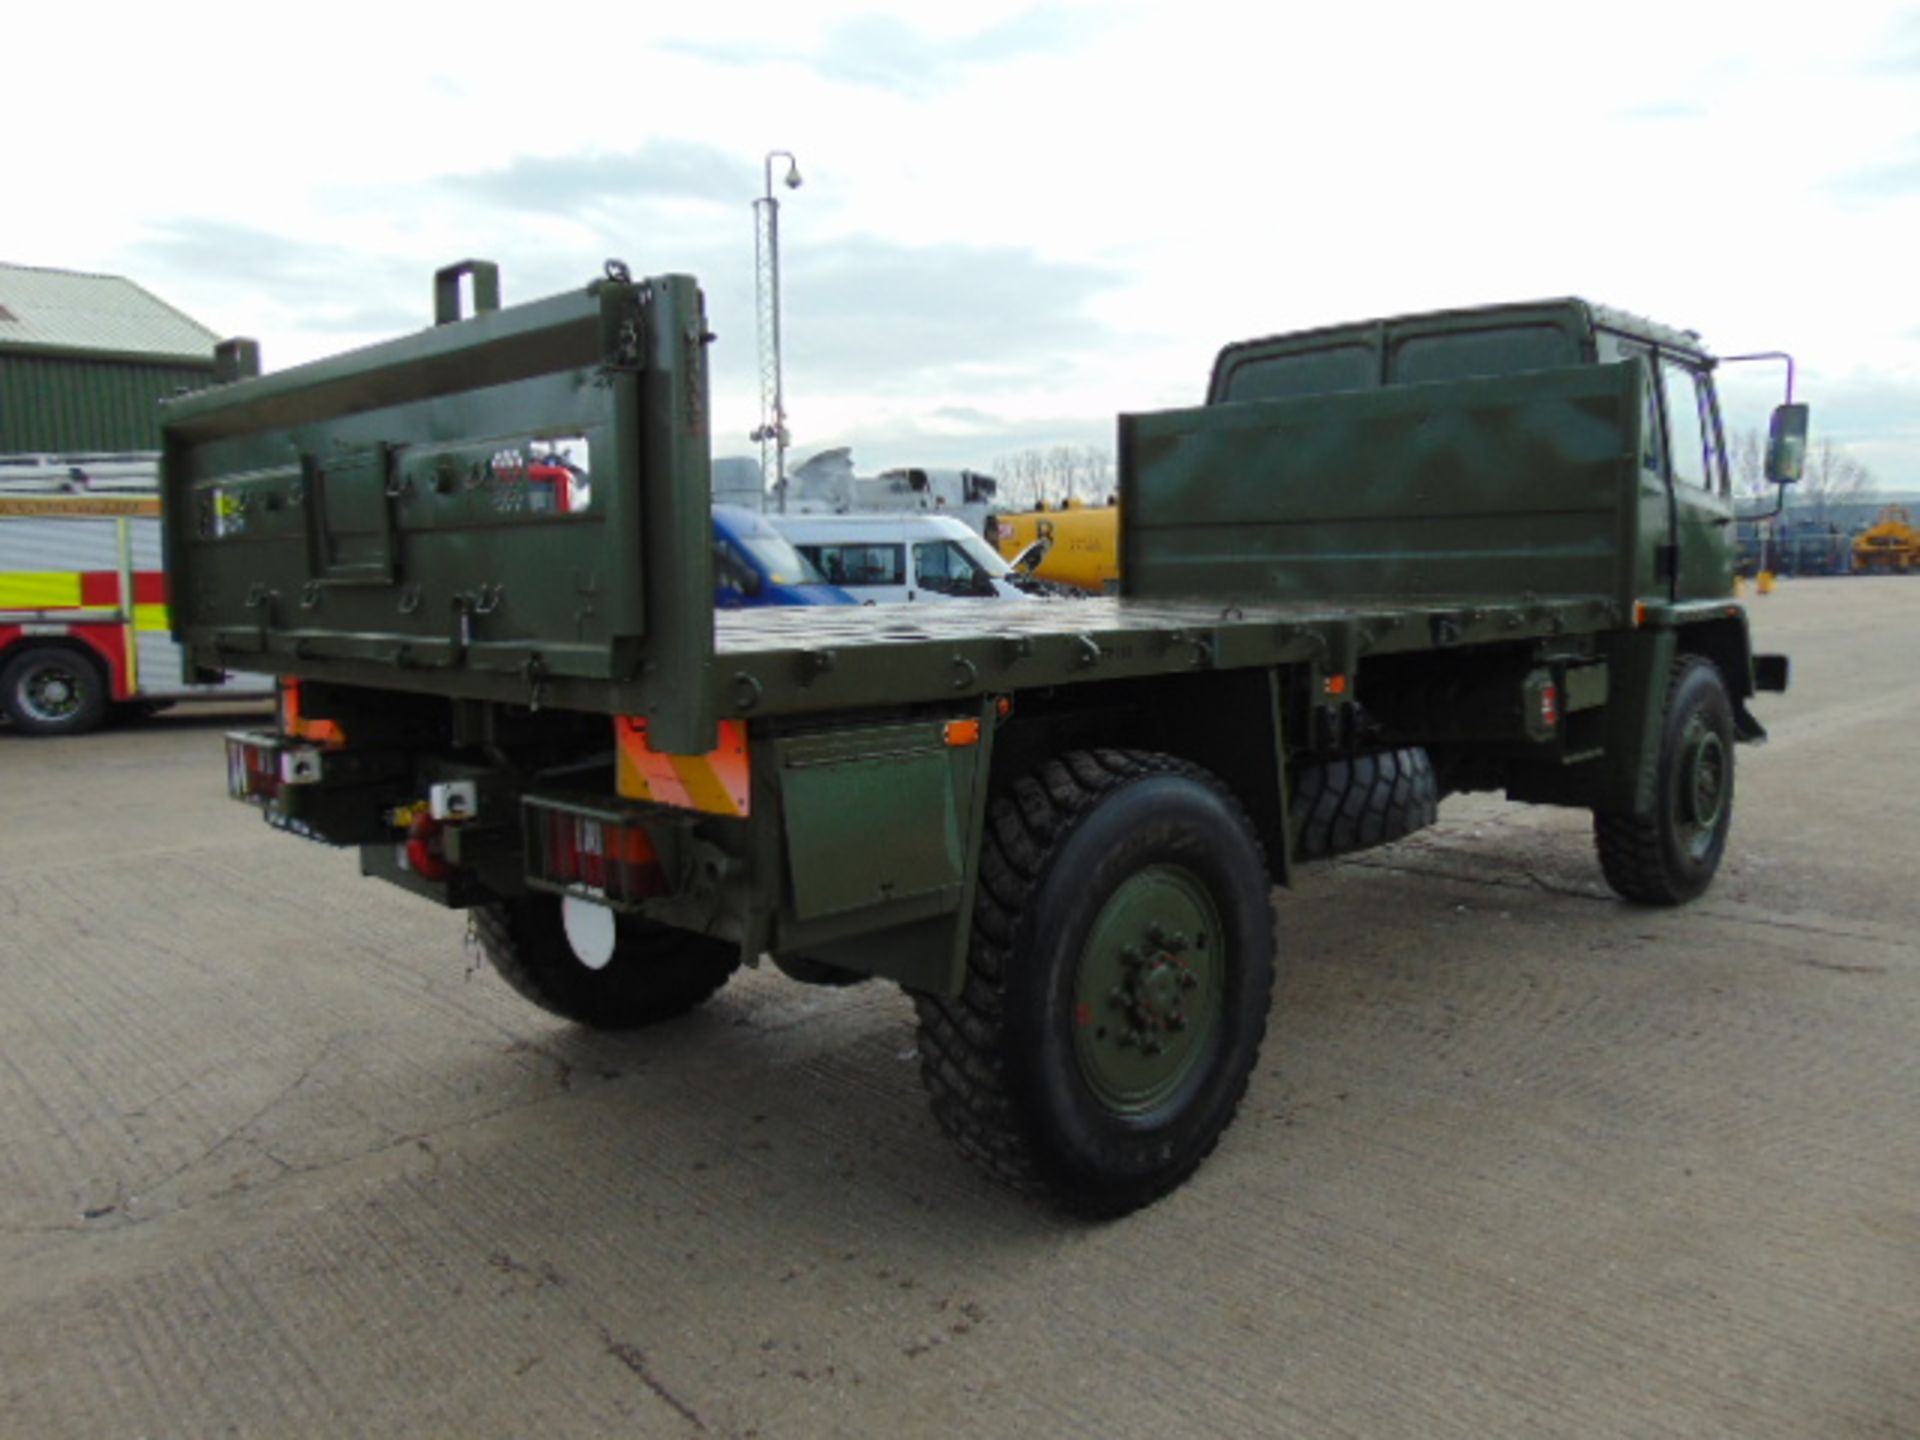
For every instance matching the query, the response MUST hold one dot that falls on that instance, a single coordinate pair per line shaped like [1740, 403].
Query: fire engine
[83, 600]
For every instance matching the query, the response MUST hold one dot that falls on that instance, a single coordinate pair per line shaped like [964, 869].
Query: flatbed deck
[782, 660]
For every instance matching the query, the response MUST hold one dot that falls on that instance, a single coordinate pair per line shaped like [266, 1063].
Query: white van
[885, 558]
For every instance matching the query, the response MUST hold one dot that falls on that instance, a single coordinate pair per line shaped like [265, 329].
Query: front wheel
[1117, 984]
[655, 973]
[1670, 856]
[53, 691]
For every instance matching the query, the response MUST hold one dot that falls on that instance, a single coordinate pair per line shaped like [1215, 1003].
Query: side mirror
[1787, 444]
[1028, 560]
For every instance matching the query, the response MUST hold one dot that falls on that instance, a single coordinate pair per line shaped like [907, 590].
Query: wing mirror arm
[1786, 461]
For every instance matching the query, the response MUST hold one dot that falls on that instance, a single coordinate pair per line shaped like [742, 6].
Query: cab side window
[1614, 348]
[1689, 427]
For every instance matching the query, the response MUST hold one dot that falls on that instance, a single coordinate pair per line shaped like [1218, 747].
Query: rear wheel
[1117, 985]
[656, 972]
[53, 691]
[1670, 856]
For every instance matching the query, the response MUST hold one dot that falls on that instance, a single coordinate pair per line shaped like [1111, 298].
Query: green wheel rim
[1147, 991]
[1705, 783]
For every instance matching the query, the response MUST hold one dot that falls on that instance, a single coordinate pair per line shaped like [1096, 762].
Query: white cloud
[1093, 197]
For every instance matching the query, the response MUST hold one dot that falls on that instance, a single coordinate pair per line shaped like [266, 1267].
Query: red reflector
[1550, 705]
[426, 853]
[253, 771]
[617, 861]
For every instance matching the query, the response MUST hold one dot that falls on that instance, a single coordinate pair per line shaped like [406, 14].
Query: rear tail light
[253, 769]
[583, 852]
[260, 766]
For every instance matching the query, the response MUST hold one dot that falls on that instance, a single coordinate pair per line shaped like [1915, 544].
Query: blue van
[754, 564]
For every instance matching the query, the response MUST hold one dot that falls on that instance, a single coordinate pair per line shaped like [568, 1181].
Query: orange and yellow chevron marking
[715, 783]
[39, 590]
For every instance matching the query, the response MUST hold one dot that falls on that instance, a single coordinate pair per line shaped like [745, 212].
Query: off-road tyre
[1670, 856]
[53, 690]
[1360, 801]
[1004, 1061]
[656, 973]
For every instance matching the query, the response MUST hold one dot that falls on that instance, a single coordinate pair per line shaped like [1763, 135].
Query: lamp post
[772, 430]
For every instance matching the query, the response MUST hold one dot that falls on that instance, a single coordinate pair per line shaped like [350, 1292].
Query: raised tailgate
[403, 516]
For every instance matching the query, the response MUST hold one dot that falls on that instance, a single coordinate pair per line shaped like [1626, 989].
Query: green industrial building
[84, 360]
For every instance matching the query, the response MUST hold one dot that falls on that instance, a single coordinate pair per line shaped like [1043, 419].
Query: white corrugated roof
[105, 314]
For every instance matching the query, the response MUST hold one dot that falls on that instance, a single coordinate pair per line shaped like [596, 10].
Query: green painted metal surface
[874, 816]
[1437, 345]
[1148, 990]
[1482, 520]
[1465, 490]
[380, 512]
[62, 404]
[86, 359]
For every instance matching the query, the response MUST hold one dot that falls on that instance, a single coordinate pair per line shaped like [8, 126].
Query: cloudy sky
[1018, 218]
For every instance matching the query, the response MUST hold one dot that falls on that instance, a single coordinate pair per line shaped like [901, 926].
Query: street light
[772, 431]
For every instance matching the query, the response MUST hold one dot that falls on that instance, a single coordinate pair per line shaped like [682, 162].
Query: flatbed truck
[1486, 549]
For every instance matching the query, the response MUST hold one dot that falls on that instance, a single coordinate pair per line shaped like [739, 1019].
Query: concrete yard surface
[279, 1156]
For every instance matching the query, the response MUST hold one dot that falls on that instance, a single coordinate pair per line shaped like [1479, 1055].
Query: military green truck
[1479, 550]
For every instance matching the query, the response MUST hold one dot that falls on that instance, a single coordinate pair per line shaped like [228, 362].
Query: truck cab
[1685, 492]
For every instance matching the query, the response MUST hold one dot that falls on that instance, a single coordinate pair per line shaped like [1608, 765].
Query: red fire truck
[83, 600]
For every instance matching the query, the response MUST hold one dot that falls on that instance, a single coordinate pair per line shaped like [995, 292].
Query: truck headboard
[514, 507]
[1452, 490]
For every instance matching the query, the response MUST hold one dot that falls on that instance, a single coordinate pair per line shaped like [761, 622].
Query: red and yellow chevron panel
[90, 594]
[714, 784]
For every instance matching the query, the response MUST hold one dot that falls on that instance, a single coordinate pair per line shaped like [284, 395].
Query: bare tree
[1833, 479]
[1022, 478]
[1747, 457]
[1054, 474]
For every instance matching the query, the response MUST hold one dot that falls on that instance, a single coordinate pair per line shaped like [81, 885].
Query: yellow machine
[1082, 543]
[1890, 546]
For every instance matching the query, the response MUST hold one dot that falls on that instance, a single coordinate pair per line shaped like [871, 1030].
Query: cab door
[1701, 557]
